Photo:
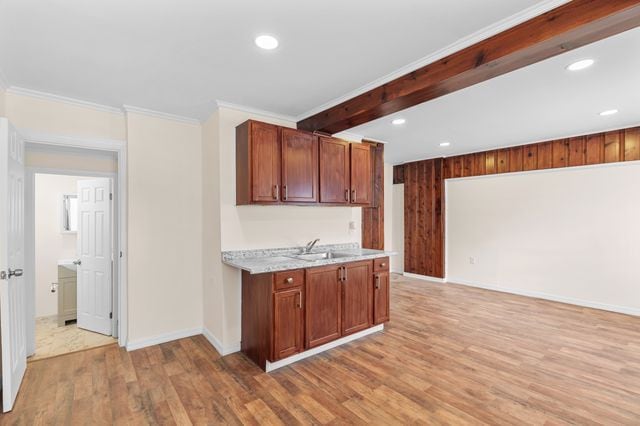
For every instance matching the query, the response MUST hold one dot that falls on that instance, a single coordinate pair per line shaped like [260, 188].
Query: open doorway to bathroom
[73, 272]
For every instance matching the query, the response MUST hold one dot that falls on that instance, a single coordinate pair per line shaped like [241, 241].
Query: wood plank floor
[451, 355]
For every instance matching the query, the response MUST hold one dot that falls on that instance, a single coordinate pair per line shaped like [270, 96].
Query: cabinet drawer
[288, 279]
[381, 264]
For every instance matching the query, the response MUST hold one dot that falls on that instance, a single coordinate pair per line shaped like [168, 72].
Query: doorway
[73, 237]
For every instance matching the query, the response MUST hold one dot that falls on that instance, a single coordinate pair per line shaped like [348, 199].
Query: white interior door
[95, 255]
[13, 306]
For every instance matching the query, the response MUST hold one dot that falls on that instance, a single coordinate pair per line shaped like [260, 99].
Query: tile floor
[52, 340]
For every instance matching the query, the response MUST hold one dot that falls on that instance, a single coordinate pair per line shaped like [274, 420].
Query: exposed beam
[568, 27]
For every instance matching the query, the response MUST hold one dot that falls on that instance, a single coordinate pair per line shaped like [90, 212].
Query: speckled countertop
[273, 260]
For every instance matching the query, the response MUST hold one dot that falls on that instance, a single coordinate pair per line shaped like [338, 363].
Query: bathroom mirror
[69, 213]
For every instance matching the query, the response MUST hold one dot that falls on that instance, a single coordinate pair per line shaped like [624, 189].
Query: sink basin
[311, 257]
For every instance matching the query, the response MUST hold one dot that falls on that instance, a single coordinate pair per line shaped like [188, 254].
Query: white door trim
[119, 147]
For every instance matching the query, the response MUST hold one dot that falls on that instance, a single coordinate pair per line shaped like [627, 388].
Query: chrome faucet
[310, 245]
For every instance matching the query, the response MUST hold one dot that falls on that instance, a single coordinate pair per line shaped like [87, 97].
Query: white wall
[397, 224]
[51, 244]
[2, 101]
[165, 226]
[92, 161]
[566, 234]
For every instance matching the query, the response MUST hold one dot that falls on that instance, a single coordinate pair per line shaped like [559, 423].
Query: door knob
[15, 272]
[77, 262]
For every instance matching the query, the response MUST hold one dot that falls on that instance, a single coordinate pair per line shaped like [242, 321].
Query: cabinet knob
[383, 264]
[289, 280]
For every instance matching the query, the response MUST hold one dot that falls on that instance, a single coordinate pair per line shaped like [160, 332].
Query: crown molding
[478, 36]
[255, 111]
[160, 114]
[64, 99]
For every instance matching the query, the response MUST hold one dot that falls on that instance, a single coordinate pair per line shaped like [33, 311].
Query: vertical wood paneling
[594, 149]
[545, 155]
[530, 160]
[398, 174]
[612, 147]
[491, 162]
[515, 159]
[577, 152]
[560, 153]
[503, 160]
[424, 183]
[632, 144]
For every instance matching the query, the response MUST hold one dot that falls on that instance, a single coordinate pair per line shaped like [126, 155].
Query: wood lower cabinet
[323, 305]
[288, 312]
[356, 297]
[287, 323]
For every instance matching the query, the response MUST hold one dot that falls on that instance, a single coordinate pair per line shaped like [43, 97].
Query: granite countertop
[278, 259]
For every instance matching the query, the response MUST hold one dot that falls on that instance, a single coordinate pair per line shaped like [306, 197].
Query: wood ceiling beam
[568, 27]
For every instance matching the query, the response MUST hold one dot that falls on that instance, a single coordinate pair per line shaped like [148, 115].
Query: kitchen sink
[312, 257]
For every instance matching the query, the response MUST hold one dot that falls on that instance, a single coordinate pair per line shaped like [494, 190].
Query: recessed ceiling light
[445, 144]
[267, 42]
[398, 121]
[609, 112]
[580, 65]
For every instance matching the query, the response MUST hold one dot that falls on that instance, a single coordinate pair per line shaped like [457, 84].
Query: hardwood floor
[451, 354]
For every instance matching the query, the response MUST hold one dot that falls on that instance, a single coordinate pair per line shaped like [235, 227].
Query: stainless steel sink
[312, 257]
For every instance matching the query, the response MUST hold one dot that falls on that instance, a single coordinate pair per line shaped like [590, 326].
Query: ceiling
[541, 102]
[181, 56]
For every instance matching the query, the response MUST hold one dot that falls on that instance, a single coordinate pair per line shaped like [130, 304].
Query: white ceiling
[180, 56]
[541, 102]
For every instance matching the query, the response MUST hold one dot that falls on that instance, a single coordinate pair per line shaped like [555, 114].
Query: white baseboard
[424, 277]
[162, 338]
[552, 297]
[306, 354]
[222, 350]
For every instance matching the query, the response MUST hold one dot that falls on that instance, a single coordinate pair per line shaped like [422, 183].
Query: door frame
[120, 284]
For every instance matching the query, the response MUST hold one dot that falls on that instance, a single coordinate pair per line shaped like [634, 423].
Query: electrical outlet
[352, 225]
[472, 260]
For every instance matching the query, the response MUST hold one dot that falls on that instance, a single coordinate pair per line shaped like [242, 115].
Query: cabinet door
[334, 171]
[356, 297]
[361, 177]
[299, 166]
[287, 323]
[265, 163]
[381, 293]
[322, 305]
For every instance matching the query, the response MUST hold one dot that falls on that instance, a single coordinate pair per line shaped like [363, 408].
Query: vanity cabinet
[275, 165]
[279, 165]
[285, 313]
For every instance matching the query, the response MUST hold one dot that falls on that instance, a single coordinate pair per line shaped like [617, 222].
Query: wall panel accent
[424, 183]
[373, 217]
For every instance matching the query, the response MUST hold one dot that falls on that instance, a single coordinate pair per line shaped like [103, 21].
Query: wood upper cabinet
[356, 297]
[334, 171]
[323, 305]
[299, 166]
[381, 291]
[288, 323]
[361, 177]
[257, 163]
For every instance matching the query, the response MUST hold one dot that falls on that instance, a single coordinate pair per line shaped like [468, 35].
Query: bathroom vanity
[295, 305]
[67, 291]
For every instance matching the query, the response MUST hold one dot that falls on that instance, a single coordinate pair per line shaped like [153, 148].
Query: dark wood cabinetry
[323, 305]
[299, 166]
[287, 323]
[335, 167]
[361, 178]
[279, 165]
[288, 312]
[356, 297]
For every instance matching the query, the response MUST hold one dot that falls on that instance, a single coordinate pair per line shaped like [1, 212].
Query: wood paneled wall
[373, 217]
[424, 220]
[424, 187]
